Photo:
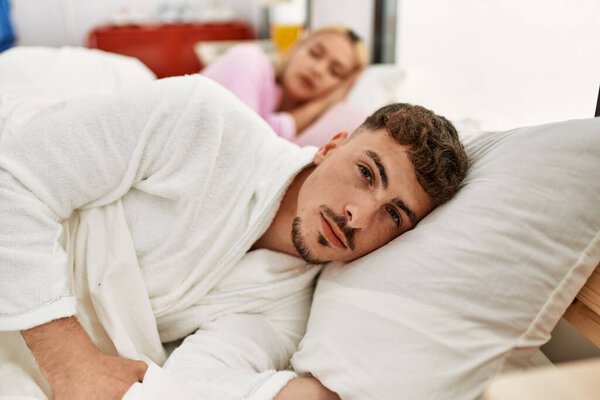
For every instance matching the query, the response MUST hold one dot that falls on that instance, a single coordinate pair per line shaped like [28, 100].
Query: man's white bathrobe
[135, 211]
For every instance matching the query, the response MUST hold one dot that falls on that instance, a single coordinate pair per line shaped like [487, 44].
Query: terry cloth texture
[180, 170]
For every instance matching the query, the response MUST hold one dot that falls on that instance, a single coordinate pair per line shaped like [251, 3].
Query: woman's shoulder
[241, 63]
[248, 52]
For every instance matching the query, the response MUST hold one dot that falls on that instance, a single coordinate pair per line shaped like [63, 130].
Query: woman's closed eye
[315, 52]
[337, 72]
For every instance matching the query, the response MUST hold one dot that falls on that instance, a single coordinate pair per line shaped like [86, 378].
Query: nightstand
[167, 49]
[570, 381]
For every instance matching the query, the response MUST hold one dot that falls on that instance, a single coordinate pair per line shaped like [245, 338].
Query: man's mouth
[329, 231]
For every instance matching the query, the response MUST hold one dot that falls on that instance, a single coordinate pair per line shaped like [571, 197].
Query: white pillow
[341, 117]
[477, 286]
[377, 86]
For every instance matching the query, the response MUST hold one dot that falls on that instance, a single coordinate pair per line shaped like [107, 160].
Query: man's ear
[336, 141]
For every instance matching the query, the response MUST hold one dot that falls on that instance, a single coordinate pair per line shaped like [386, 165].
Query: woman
[313, 76]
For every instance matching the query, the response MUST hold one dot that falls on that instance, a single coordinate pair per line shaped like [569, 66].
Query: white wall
[38, 22]
[356, 14]
[67, 22]
[505, 63]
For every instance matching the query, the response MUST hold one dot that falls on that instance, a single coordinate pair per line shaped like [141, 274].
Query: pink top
[249, 74]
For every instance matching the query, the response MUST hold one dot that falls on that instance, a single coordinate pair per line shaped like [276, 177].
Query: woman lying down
[133, 221]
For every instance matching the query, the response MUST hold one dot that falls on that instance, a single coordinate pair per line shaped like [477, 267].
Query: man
[189, 180]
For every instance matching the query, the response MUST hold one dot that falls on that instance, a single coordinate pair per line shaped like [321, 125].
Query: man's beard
[300, 243]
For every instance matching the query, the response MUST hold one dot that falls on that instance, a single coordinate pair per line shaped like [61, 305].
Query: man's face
[362, 194]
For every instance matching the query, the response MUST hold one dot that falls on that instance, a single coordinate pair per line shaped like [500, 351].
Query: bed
[570, 380]
[584, 313]
[427, 316]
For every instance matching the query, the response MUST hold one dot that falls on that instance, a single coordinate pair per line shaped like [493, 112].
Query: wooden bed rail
[584, 313]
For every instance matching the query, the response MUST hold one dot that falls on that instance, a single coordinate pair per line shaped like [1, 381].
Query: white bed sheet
[33, 78]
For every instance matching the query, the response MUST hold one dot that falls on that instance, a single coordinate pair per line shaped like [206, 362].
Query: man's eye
[395, 216]
[366, 173]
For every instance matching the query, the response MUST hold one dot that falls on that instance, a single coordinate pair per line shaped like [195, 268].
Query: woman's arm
[308, 112]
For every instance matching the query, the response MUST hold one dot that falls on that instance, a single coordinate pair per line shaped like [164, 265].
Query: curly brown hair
[435, 150]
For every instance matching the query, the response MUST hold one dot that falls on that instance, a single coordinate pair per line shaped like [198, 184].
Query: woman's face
[318, 65]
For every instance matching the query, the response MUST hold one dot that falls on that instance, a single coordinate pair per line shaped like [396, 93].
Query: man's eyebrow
[375, 157]
[411, 214]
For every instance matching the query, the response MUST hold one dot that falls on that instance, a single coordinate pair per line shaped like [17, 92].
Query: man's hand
[306, 389]
[74, 366]
[98, 377]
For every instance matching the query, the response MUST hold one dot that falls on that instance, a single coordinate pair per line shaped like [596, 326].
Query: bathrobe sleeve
[84, 153]
[243, 356]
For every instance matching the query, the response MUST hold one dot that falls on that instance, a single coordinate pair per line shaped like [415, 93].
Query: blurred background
[500, 64]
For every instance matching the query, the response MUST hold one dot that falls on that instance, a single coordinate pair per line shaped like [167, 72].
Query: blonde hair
[359, 46]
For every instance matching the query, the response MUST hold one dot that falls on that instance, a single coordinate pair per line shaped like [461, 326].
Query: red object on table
[168, 50]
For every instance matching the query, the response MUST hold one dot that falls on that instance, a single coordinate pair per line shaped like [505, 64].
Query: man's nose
[360, 214]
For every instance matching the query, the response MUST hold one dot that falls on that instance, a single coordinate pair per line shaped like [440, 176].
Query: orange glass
[285, 35]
